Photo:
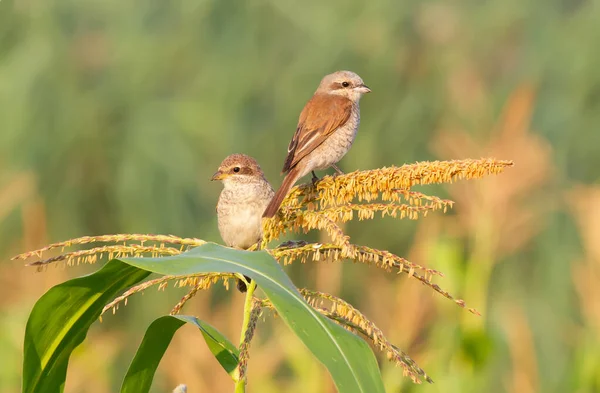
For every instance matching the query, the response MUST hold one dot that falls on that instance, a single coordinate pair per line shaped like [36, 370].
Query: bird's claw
[338, 170]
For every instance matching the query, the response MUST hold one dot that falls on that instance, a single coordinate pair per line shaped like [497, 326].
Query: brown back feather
[321, 116]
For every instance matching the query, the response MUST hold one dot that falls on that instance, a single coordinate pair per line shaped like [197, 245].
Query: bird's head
[238, 169]
[344, 83]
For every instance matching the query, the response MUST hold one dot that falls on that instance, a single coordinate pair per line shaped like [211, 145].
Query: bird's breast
[240, 219]
[337, 144]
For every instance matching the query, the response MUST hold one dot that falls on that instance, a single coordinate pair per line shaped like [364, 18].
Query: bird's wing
[321, 116]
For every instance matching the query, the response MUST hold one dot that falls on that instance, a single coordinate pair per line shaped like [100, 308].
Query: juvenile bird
[245, 195]
[325, 132]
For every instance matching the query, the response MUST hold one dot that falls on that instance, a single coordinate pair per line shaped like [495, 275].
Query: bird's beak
[218, 176]
[362, 89]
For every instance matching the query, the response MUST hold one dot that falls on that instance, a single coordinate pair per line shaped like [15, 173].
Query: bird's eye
[236, 169]
[345, 84]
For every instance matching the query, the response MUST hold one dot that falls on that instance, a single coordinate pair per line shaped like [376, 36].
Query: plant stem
[240, 385]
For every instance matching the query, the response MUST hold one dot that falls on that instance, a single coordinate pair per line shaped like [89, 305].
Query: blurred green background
[114, 114]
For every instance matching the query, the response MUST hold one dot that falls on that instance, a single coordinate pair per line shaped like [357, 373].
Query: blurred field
[113, 116]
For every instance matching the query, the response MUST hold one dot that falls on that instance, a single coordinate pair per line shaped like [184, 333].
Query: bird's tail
[286, 186]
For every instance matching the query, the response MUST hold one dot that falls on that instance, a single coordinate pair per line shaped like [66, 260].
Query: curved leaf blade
[224, 351]
[154, 344]
[348, 358]
[156, 341]
[60, 320]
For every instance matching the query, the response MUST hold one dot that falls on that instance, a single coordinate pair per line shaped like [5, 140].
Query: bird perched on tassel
[326, 130]
[245, 195]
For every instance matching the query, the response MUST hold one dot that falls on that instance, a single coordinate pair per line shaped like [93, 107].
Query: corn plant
[337, 333]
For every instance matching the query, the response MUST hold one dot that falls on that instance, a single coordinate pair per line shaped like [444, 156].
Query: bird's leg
[315, 179]
[339, 172]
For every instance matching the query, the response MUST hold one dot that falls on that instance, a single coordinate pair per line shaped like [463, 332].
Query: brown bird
[246, 193]
[326, 130]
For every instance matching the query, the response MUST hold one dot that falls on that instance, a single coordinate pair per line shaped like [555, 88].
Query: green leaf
[157, 339]
[348, 358]
[225, 352]
[150, 352]
[60, 321]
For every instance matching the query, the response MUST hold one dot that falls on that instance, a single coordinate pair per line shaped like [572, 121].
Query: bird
[326, 130]
[245, 195]
[182, 388]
